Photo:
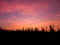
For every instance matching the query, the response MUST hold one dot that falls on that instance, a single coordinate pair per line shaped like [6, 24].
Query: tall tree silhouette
[52, 28]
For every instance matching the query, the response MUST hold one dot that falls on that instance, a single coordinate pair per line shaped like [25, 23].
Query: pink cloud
[34, 12]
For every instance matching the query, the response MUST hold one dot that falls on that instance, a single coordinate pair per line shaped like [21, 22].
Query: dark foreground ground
[31, 34]
[29, 37]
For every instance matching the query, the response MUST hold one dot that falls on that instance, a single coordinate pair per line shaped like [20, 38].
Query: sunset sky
[29, 13]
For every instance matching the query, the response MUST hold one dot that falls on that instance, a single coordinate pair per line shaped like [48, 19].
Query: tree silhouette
[51, 28]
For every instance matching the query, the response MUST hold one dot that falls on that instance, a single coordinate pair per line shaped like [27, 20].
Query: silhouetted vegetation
[51, 27]
[43, 33]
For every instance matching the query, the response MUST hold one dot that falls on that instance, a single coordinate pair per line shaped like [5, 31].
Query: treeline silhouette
[31, 33]
[51, 27]
[44, 34]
